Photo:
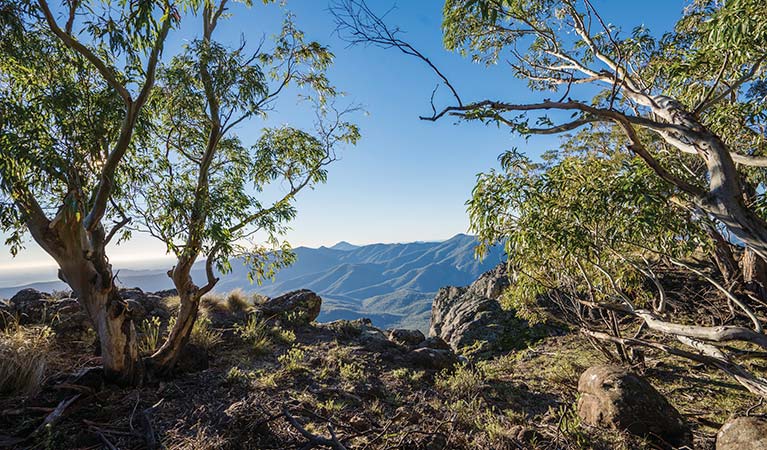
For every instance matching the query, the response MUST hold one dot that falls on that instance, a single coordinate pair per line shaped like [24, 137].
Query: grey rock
[406, 337]
[743, 433]
[435, 342]
[429, 358]
[472, 317]
[611, 397]
[32, 306]
[304, 303]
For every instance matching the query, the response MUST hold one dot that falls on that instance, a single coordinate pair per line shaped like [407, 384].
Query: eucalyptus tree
[210, 194]
[689, 104]
[74, 80]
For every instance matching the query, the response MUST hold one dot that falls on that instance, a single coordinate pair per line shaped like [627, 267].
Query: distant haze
[393, 284]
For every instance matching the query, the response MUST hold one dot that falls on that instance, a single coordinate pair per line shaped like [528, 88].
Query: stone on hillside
[743, 433]
[472, 319]
[429, 358]
[32, 306]
[612, 397]
[304, 303]
[406, 337]
[435, 342]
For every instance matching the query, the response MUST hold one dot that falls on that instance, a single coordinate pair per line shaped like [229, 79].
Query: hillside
[392, 284]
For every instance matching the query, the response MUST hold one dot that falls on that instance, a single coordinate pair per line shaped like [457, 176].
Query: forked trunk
[163, 361]
[111, 320]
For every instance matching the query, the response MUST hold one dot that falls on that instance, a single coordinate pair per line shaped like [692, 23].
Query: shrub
[23, 358]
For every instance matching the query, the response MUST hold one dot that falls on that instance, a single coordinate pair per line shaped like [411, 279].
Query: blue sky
[407, 179]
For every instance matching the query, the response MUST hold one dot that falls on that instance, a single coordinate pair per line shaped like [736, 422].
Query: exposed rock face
[303, 302]
[743, 433]
[472, 316]
[614, 398]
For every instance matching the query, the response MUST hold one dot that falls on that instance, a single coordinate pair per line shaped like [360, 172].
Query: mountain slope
[393, 284]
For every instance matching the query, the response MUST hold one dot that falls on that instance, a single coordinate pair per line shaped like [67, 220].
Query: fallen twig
[314, 440]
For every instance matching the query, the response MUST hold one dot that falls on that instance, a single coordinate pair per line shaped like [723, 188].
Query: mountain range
[392, 284]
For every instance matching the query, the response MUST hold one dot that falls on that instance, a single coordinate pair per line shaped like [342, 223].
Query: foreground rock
[743, 433]
[304, 303]
[472, 320]
[611, 397]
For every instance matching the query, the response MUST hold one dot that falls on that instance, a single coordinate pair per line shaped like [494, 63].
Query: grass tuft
[23, 358]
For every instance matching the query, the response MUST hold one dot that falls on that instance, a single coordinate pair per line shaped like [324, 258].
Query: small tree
[204, 187]
[71, 99]
[689, 105]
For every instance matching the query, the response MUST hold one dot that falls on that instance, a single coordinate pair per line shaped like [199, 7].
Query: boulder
[304, 303]
[471, 319]
[612, 397]
[429, 358]
[32, 306]
[405, 337]
[743, 433]
[435, 342]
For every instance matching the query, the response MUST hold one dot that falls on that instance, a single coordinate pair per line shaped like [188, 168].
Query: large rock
[743, 433]
[32, 306]
[304, 304]
[429, 358]
[611, 397]
[471, 319]
[405, 337]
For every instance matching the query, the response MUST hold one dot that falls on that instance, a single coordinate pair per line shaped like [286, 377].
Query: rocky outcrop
[471, 318]
[304, 303]
[612, 397]
[743, 433]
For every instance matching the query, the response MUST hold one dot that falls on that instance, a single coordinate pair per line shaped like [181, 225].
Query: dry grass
[24, 355]
[234, 302]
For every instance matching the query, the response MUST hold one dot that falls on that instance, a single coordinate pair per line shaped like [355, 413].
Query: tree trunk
[163, 361]
[754, 273]
[111, 319]
[723, 257]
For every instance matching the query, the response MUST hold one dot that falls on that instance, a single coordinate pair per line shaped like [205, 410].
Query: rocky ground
[262, 375]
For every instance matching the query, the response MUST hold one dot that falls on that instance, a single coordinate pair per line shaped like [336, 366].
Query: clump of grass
[352, 372]
[463, 382]
[172, 303]
[150, 330]
[23, 358]
[256, 333]
[204, 335]
[293, 360]
[202, 332]
[409, 376]
[284, 336]
[235, 375]
[237, 301]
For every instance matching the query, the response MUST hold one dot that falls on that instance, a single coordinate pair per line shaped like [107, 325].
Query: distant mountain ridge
[393, 284]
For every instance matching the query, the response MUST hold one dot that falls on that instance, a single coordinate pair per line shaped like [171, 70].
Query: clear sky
[407, 179]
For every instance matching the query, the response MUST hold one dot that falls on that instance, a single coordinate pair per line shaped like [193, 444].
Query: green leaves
[591, 210]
